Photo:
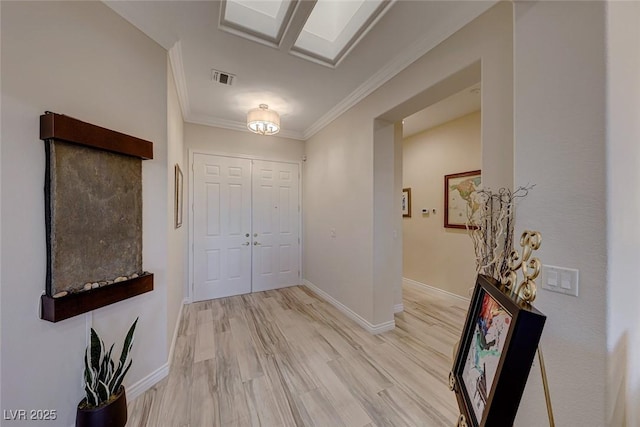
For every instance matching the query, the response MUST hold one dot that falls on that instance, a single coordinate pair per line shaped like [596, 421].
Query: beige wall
[623, 202]
[559, 124]
[213, 140]
[177, 248]
[434, 255]
[339, 180]
[83, 60]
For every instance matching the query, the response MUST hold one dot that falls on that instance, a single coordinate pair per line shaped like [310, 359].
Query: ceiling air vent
[222, 77]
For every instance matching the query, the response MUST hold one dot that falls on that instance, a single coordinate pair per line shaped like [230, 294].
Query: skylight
[257, 17]
[335, 26]
[322, 31]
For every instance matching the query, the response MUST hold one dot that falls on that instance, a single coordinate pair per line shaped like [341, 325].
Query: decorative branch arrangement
[492, 231]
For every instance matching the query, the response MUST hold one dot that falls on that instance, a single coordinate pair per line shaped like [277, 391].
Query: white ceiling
[307, 95]
[460, 104]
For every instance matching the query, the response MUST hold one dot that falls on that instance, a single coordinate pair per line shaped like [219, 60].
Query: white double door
[245, 226]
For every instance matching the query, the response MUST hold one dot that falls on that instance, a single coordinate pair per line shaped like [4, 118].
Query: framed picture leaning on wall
[497, 347]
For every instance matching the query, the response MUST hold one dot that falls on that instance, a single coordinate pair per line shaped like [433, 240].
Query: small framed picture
[178, 196]
[497, 347]
[406, 202]
[458, 198]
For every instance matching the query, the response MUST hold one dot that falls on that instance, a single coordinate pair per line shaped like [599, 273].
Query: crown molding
[175, 59]
[203, 119]
[401, 61]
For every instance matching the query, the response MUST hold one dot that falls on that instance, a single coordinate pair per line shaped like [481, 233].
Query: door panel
[222, 221]
[275, 215]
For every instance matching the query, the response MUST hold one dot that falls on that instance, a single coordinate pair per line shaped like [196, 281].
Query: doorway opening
[388, 179]
[442, 139]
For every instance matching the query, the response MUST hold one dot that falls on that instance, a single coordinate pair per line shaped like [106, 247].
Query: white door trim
[189, 206]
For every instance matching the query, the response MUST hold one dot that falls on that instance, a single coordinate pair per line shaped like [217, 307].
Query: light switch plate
[560, 279]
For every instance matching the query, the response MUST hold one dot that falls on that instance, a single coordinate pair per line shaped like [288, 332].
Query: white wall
[177, 247]
[79, 59]
[434, 255]
[623, 210]
[209, 139]
[339, 175]
[385, 213]
[560, 82]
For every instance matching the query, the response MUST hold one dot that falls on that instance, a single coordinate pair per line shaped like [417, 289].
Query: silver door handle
[256, 243]
[246, 244]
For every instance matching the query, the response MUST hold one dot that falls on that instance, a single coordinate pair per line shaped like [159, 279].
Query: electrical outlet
[560, 279]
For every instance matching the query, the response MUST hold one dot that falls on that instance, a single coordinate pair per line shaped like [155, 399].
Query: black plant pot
[113, 414]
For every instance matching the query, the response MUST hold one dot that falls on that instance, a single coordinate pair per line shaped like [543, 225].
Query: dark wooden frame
[64, 128]
[179, 196]
[58, 127]
[408, 191]
[523, 336]
[447, 178]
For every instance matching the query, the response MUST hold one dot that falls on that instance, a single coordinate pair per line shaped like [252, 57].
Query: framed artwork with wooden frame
[494, 357]
[178, 197]
[406, 202]
[458, 190]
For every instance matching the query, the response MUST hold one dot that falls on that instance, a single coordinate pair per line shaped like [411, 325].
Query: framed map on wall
[459, 205]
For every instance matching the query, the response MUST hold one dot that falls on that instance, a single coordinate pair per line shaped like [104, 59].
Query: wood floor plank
[344, 403]
[231, 397]
[292, 415]
[204, 346]
[263, 410]
[205, 410]
[176, 399]
[219, 315]
[247, 356]
[411, 410]
[407, 375]
[320, 411]
[188, 321]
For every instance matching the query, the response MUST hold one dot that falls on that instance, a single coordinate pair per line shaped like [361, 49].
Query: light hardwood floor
[288, 358]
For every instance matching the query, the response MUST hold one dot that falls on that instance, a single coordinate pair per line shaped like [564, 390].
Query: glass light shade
[263, 121]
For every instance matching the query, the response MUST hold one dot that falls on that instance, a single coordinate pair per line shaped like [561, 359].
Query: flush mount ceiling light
[263, 121]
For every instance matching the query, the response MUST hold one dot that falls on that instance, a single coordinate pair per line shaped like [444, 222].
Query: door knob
[246, 235]
[255, 234]
[256, 243]
[246, 244]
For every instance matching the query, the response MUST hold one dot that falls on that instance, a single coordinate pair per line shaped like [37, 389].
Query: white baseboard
[176, 328]
[434, 289]
[135, 390]
[370, 327]
[398, 308]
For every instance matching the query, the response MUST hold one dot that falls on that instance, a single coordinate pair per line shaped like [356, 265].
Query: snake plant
[101, 377]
